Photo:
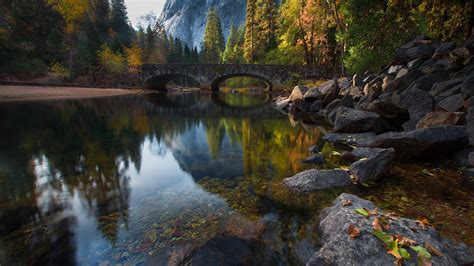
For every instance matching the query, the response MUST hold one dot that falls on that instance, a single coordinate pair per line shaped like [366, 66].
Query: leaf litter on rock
[353, 231]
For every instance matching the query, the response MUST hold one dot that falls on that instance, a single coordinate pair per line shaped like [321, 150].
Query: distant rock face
[186, 19]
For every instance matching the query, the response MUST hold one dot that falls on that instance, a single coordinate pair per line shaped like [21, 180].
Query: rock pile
[420, 105]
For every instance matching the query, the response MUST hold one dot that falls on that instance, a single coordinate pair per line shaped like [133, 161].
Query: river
[194, 177]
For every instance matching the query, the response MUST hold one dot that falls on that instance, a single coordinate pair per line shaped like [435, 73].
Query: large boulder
[452, 103]
[440, 118]
[468, 87]
[314, 159]
[426, 142]
[470, 119]
[391, 112]
[298, 93]
[419, 103]
[426, 82]
[339, 248]
[405, 81]
[358, 139]
[313, 179]
[372, 165]
[349, 120]
[441, 87]
[329, 87]
[312, 94]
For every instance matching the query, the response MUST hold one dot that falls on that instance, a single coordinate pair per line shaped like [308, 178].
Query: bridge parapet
[211, 75]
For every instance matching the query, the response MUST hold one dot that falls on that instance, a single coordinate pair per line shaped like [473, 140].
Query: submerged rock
[315, 159]
[357, 139]
[429, 142]
[373, 163]
[338, 248]
[313, 179]
[349, 120]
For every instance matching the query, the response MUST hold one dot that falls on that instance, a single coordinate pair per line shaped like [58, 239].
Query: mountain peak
[186, 19]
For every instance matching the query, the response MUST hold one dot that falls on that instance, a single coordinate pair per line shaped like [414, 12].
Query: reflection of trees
[53, 152]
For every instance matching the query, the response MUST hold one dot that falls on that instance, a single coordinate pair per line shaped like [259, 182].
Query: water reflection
[135, 179]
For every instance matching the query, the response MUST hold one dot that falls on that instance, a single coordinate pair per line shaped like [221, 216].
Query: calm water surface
[190, 178]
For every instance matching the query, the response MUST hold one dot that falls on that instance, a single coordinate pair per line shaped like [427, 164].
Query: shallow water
[190, 178]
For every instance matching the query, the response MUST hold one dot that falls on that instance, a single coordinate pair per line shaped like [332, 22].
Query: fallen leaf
[405, 241]
[433, 250]
[393, 250]
[346, 203]
[423, 223]
[374, 212]
[404, 253]
[385, 222]
[384, 237]
[362, 211]
[353, 231]
[426, 172]
[421, 251]
[376, 224]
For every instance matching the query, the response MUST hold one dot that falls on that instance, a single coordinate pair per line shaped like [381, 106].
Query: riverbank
[35, 93]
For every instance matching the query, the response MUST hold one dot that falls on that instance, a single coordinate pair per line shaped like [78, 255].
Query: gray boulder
[452, 103]
[468, 87]
[443, 49]
[441, 87]
[358, 139]
[349, 120]
[418, 103]
[391, 112]
[316, 106]
[315, 159]
[313, 179]
[312, 94]
[471, 159]
[373, 163]
[426, 82]
[426, 142]
[470, 119]
[404, 82]
[338, 248]
[329, 87]
[313, 149]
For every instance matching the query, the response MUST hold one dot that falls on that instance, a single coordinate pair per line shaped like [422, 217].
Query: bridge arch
[160, 82]
[215, 84]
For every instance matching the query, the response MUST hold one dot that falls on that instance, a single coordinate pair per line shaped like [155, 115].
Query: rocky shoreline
[419, 107]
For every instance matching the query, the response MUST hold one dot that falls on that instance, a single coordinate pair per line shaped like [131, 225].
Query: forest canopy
[93, 39]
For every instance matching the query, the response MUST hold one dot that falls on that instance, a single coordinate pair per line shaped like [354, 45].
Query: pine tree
[119, 23]
[233, 49]
[250, 31]
[213, 44]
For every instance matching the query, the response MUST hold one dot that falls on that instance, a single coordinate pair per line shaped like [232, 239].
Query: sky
[137, 8]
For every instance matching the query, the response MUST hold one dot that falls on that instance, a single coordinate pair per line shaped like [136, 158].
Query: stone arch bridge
[210, 76]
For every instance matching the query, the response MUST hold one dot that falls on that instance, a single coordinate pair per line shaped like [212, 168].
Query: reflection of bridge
[203, 105]
[209, 76]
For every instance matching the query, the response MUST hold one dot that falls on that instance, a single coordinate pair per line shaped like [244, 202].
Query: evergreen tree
[234, 46]
[119, 24]
[213, 44]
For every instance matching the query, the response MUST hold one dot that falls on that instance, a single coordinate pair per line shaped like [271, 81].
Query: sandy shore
[32, 93]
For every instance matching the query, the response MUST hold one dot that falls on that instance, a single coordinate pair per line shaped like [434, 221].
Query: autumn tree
[213, 43]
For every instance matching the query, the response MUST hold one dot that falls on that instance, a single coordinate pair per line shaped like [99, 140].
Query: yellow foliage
[112, 63]
[71, 10]
[134, 58]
